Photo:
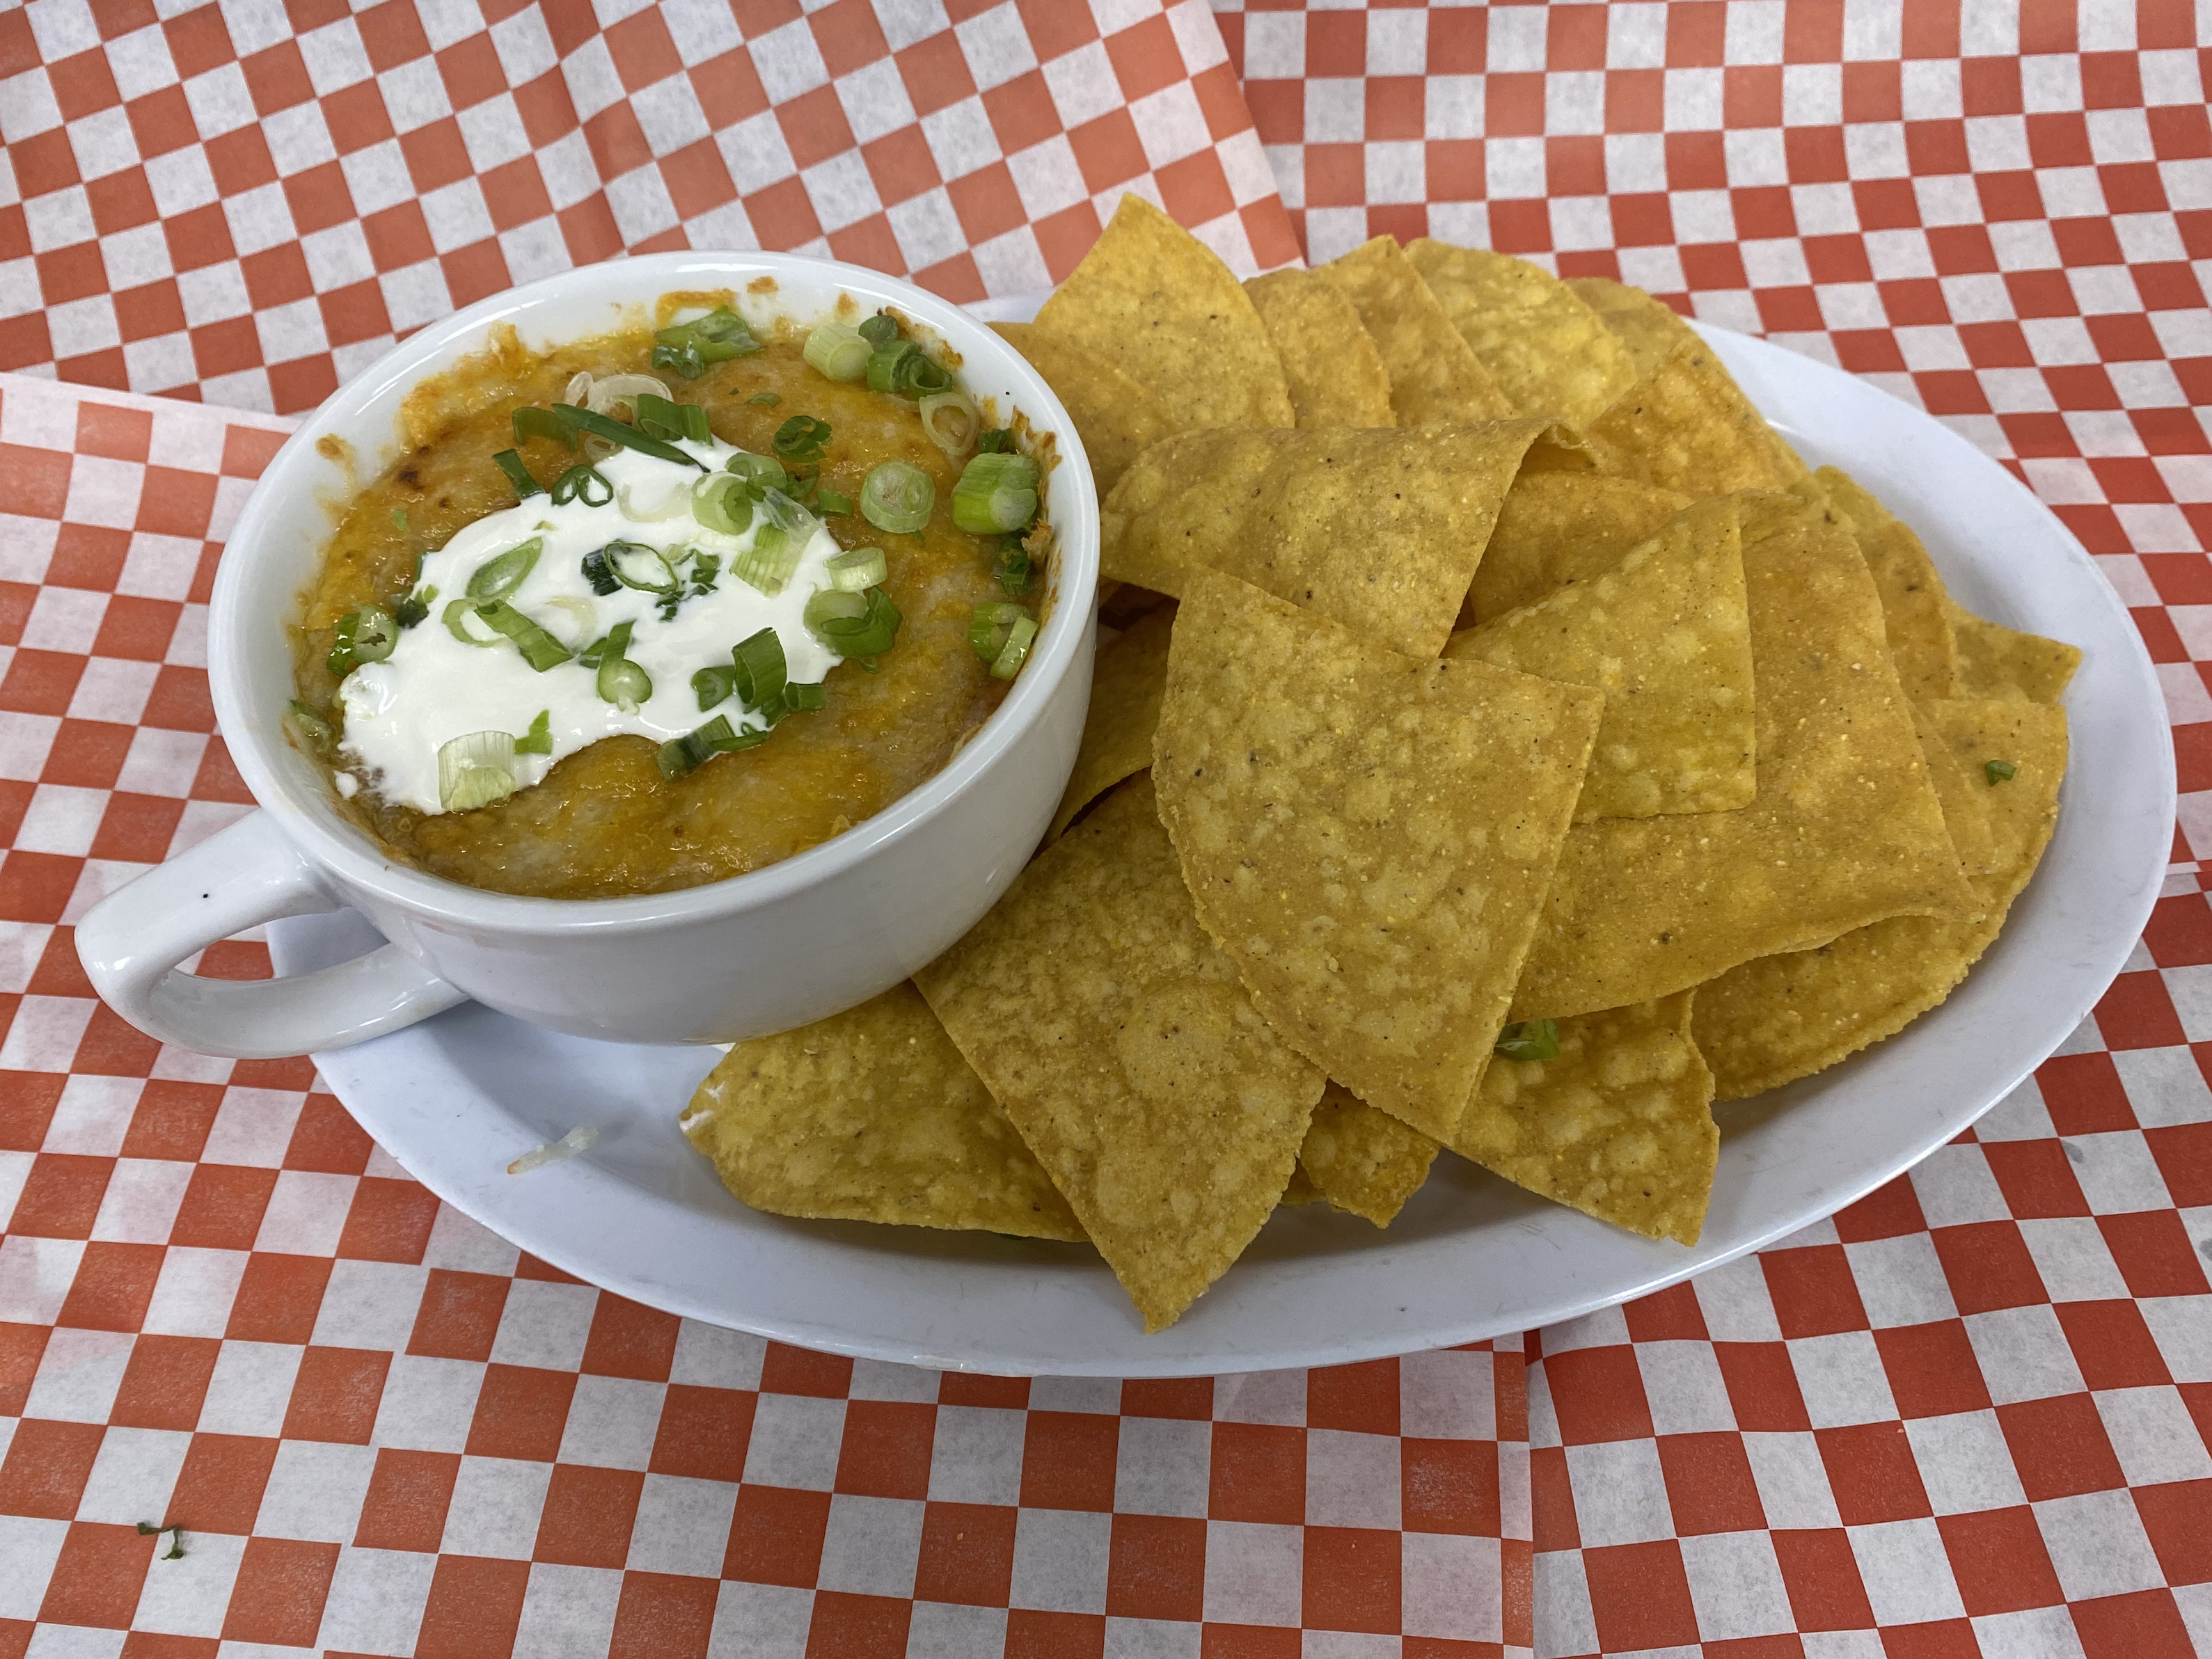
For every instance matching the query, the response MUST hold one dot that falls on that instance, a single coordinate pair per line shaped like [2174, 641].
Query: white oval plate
[455, 1099]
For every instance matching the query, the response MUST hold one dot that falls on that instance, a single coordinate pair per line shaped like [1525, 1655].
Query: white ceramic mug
[795, 942]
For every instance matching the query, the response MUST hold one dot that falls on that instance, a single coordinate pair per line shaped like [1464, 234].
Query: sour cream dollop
[434, 687]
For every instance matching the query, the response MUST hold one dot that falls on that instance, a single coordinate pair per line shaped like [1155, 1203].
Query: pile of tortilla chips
[1503, 745]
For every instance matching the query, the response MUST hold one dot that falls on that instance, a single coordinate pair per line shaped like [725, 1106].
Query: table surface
[1968, 1414]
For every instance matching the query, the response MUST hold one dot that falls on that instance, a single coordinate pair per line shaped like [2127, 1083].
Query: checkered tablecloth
[1969, 1414]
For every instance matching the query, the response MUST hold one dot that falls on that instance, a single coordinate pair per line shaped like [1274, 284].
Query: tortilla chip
[1279, 510]
[1434, 373]
[1364, 1162]
[1965, 813]
[1126, 682]
[1182, 504]
[1160, 305]
[1423, 502]
[1335, 374]
[1648, 328]
[1846, 828]
[1913, 609]
[1686, 426]
[1666, 636]
[871, 1116]
[1116, 1035]
[1547, 351]
[1116, 418]
[1368, 837]
[1561, 527]
[1781, 1018]
[1122, 605]
[1300, 1189]
[2000, 662]
[1619, 1126]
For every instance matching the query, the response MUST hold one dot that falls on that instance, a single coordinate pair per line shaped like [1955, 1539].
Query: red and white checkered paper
[1968, 1415]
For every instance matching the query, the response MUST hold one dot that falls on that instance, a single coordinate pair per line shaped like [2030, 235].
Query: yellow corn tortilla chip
[1434, 373]
[1619, 1126]
[1181, 503]
[1561, 527]
[1368, 835]
[1159, 304]
[1284, 511]
[1421, 504]
[1768, 1021]
[1666, 636]
[871, 1116]
[1125, 683]
[1965, 813]
[2000, 662]
[1547, 350]
[1846, 828]
[1913, 609]
[1301, 1189]
[1363, 1161]
[1116, 418]
[1114, 1033]
[1335, 374]
[1686, 426]
[1647, 327]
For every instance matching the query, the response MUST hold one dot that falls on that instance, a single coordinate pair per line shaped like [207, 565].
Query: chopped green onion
[1013, 570]
[760, 470]
[950, 420]
[597, 572]
[415, 607]
[539, 740]
[898, 497]
[456, 619]
[760, 671]
[714, 683]
[582, 483]
[996, 493]
[904, 370]
[661, 417]
[494, 578]
[717, 736]
[1999, 771]
[783, 512]
[837, 352]
[539, 648]
[525, 482]
[623, 684]
[614, 642]
[1531, 1039]
[830, 501]
[637, 566]
[805, 696]
[365, 634]
[766, 399]
[862, 625]
[531, 421]
[767, 564]
[704, 573]
[1000, 633]
[399, 520]
[308, 727]
[802, 438]
[689, 348]
[475, 770]
[999, 440]
[605, 425]
[718, 502]
[862, 567]
[879, 331]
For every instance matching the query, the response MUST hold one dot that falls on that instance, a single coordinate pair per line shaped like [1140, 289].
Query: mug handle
[132, 940]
